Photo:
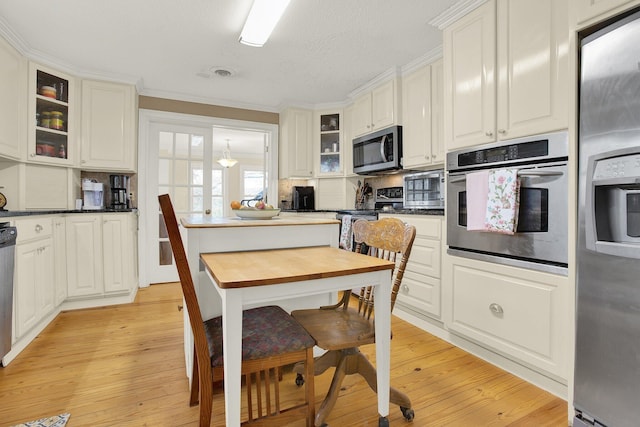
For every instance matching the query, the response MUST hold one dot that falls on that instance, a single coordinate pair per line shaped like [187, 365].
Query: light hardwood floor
[124, 366]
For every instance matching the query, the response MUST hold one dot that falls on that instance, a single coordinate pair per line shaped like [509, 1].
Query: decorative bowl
[252, 213]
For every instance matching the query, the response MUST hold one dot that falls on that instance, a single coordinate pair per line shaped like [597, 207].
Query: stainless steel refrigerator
[607, 364]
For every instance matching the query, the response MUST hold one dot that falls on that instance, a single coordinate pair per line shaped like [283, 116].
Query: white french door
[177, 157]
[183, 155]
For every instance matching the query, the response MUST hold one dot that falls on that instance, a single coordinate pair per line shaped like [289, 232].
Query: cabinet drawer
[34, 228]
[421, 293]
[505, 312]
[429, 228]
[425, 257]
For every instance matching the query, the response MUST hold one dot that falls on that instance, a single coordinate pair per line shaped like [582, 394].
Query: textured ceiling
[321, 50]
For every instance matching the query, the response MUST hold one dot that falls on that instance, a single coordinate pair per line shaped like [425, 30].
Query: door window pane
[182, 145]
[253, 181]
[165, 144]
[217, 196]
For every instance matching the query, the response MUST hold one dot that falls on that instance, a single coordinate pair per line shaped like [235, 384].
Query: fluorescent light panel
[262, 19]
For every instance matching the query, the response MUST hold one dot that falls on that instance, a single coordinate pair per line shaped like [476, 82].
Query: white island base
[204, 234]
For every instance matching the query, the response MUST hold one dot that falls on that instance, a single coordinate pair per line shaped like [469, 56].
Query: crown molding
[426, 59]
[390, 74]
[42, 58]
[455, 12]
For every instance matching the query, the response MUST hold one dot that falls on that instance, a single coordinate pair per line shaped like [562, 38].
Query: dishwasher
[7, 256]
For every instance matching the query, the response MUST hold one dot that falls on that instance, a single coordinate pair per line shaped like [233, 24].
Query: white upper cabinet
[328, 143]
[52, 117]
[533, 67]
[469, 73]
[296, 142]
[416, 118]
[506, 77]
[422, 127]
[108, 126]
[376, 109]
[347, 144]
[595, 10]
[13, 109]
[437, 112]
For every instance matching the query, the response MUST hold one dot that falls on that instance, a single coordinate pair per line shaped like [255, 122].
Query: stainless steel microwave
[424, 190]
[379, 151]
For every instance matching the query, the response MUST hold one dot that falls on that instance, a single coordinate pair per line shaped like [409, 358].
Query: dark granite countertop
[430, 212]
[7, 214]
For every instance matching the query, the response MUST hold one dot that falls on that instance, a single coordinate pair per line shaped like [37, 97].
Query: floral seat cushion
[266, 331]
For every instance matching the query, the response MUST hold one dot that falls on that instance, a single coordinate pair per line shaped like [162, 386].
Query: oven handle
[536, 172]
[526, 172]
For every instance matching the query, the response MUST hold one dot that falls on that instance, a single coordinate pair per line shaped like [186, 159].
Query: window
[252, 184]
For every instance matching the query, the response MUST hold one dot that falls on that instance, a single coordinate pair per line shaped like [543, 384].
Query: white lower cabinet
[100, 254]
[520, 313]
[420, 288]
[84, 255]
[60, 259]
[34, 275]
[117, 253]
[70, 261]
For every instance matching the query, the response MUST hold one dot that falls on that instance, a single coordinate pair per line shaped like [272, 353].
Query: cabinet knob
[502, 131]
[489, 133]
[207, 212]
[496, 308]
[32, 155]
[405, 288]
[38, 228]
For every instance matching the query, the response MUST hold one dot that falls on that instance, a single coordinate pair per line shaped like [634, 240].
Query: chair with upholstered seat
[271, 338]
[341, 329]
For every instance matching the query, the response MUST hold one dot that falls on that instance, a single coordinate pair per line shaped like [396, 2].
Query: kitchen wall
[170, 105]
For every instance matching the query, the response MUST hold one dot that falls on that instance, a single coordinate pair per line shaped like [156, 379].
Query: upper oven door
[541, 233]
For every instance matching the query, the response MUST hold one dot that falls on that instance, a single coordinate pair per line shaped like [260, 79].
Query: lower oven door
[541, 233]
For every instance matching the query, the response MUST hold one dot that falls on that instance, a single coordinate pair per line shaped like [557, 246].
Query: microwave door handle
[382, 143]
[534, 172]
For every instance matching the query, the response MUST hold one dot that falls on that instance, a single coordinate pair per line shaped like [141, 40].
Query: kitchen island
[207, 234]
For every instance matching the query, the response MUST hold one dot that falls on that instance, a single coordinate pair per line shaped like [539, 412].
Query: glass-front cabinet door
[330, 144]
[51, 116]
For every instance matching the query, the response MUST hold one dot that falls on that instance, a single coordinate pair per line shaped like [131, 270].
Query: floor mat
[57, 421]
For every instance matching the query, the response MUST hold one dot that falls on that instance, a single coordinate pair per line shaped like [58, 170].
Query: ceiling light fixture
[262, 19]
[226, 161]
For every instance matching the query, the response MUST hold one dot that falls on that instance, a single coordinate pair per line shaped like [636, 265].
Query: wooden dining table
[258, 277]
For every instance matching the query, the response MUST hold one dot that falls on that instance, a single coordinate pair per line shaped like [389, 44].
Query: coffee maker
[93, 195]
[303, 198]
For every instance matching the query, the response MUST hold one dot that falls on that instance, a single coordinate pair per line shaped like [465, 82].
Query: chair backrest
[195, 316]
[387, 238]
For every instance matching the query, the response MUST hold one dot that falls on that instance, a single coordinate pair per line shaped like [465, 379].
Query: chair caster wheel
[407, 413]
[299, 380]
[383, 422]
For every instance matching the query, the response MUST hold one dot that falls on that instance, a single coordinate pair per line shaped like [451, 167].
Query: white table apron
[233, 300]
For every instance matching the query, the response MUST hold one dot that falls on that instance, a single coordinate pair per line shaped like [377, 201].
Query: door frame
[145, 119]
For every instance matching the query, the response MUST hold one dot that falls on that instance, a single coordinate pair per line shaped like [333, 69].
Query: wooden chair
[341, 329]
[271, 338]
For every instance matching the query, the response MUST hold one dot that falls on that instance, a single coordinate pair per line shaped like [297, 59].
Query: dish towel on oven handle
[346, 234]
[477, 196]
[503, 201]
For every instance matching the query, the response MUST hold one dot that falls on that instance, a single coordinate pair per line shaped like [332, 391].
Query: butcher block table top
[268, 267]
[207, 221]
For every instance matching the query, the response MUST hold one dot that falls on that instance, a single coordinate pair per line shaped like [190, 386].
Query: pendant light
[226, 161]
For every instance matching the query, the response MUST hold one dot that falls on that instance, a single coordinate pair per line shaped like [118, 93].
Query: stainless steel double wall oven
[540, 240]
